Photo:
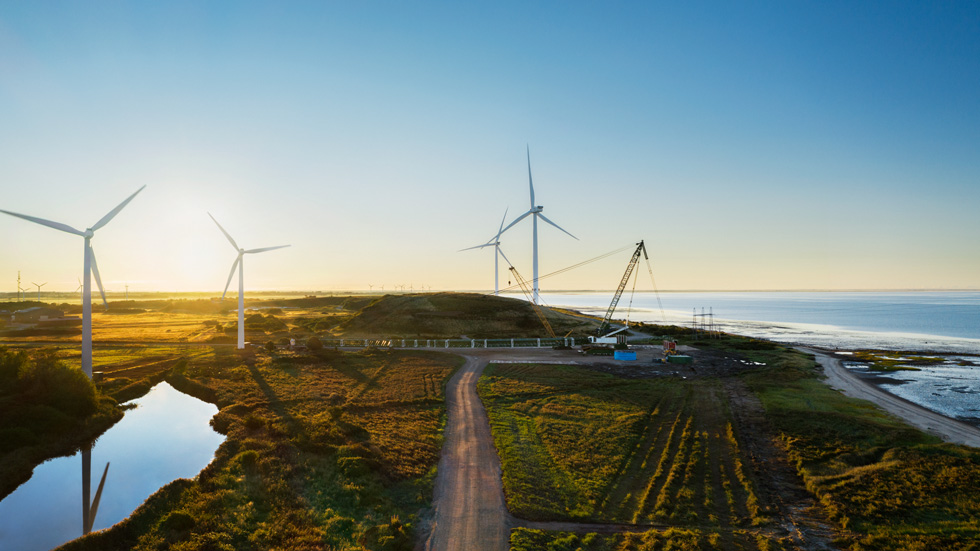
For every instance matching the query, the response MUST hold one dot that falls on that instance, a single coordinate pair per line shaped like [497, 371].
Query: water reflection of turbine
[90, 508]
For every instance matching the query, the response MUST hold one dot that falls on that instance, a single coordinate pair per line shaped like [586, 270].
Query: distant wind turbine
[536, 212]
[239, 263]
[39, 289]
[495, 243]
[89, 268]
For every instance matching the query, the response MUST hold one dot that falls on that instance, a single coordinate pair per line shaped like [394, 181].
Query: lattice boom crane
[604, 326]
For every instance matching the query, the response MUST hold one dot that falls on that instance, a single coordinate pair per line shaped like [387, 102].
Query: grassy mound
[449, 315]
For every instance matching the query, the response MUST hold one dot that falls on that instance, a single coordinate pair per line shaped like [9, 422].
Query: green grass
[582, 445]
[332, 450]
[880, 360]
[672, 539]
[889, 485]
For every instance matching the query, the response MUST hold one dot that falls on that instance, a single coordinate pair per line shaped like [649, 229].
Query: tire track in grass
[664, 504]
[621, 500]
[667, 455]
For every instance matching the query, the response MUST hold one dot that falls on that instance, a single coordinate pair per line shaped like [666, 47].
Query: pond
[166, 437]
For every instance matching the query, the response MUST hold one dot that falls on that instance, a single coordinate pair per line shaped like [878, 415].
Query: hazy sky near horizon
[754, 145]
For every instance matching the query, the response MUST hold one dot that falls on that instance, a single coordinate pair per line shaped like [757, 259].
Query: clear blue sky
[754, 145]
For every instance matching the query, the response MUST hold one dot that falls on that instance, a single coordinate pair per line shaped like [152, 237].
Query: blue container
[625, 355]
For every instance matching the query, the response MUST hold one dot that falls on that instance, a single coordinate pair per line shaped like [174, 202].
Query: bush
[177, 521]
[270, 347]
[45, 380]
[314, 344]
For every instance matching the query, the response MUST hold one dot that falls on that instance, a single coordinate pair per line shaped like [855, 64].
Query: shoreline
[840, 378]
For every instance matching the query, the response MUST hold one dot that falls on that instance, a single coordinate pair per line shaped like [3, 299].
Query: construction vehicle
[602, 337]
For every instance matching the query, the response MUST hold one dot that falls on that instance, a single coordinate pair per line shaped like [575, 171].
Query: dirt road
[851, 385]
[470, 513]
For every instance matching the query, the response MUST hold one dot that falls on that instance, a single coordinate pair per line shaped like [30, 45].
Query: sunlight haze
[805, 145]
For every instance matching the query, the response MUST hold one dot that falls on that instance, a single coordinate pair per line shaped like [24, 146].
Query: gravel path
[470, 513]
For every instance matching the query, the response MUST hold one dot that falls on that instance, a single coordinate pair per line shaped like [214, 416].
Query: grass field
[586, 446]
[580, 445]
[332, 450]
[889, 485]
[669, 539]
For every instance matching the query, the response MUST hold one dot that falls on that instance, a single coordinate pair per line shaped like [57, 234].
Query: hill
[451, 315]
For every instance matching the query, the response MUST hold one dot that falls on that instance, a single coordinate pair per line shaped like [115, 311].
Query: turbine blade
[98, 280]
[501, 251]
[231, 274]
[264, 249]
[501, 229]
[490, 244]
[530, 182]
[230, 240]
[556, 225]
[112, 213]
[518, 219]
[48, 223]
[95, 501]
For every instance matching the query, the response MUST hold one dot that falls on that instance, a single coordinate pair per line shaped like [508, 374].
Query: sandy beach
[950, 430]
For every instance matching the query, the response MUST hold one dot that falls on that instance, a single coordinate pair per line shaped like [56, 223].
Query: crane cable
[663, 316]
[629, 307]
[572, 267]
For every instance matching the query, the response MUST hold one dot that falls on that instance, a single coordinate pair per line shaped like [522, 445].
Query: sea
[943, 322]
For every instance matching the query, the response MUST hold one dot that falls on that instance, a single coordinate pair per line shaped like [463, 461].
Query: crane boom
[535, 307]
[604, 326]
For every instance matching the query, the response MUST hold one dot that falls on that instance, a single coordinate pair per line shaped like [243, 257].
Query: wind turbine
[39, 289]
[535, 213]
[90, 508]
[89, 266]
[495, 243]
[239, 263]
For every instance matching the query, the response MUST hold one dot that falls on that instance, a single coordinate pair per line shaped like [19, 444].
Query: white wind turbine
[536, 212]
[89, 268]
[239, 263]
[495, 243]
[39, 289]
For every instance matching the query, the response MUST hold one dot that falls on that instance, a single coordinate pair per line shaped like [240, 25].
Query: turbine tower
[89, 267]
[495, 243]
[239, 263]
[39, 289]
[535, 213]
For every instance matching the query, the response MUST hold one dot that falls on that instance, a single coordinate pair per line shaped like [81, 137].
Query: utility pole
[18, 285]
[127, 292]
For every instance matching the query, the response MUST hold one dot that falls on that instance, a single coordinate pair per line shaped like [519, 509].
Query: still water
[167, 436]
